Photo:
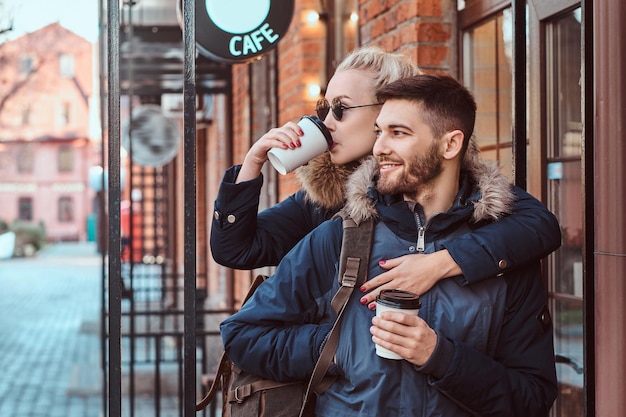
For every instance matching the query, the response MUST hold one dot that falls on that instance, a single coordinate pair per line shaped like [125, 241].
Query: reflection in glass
[564, 120]
[487, 64]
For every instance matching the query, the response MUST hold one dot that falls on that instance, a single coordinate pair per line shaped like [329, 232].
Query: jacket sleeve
[530, 233]
[279, 331]
[243, 238]
[520, 379]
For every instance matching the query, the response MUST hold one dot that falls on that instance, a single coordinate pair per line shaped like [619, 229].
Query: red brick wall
[241, 112]
[422, 29]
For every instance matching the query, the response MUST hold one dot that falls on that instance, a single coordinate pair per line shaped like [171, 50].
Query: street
[49, 333]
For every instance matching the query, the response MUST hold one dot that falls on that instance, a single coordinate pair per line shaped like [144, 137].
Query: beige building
[45, 145]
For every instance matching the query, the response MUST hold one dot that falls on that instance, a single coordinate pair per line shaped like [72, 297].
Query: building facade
[547, 78]
[45, 143]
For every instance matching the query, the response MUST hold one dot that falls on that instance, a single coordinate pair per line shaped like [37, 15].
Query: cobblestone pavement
[50, 348]
[49, 331]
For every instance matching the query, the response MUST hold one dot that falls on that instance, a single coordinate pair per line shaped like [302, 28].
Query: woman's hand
[416, 273]
[285, 137]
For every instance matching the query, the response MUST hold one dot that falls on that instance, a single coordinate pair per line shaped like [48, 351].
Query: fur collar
[324, 181]
[496, 195]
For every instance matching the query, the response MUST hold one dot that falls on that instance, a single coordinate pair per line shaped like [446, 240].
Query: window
[66, 66]
[25, 208]
[26, 115]
[63, 117]
[487, 72]
[66, 209]
[26, 65]
[25, 158]
[564, 184]
[66, 158]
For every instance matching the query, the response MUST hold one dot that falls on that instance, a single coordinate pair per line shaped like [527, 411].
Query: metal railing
[159, 342]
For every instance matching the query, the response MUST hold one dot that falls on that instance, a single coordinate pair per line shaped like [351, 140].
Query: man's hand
[407, 335]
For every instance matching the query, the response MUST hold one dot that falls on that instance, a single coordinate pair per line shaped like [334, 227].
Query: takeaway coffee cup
[396, 300]
[315, 141]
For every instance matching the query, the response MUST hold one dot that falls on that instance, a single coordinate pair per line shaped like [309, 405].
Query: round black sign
[239, 30]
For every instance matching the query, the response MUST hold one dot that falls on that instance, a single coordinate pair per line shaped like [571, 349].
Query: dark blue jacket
[494, 355]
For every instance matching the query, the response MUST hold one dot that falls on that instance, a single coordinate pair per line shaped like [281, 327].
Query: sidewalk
[49, 333]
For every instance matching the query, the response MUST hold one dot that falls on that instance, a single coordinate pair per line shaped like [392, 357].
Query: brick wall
[241, 112]
[421, 29]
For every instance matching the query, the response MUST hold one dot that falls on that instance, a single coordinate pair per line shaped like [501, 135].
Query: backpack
[247, 395]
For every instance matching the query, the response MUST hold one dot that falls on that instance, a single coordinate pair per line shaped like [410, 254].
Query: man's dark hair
[447, 105]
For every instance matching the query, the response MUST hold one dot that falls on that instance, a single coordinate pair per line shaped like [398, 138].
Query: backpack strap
[353, 266]
[355, 256]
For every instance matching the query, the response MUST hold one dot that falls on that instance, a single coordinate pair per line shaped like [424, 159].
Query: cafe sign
[235, 31]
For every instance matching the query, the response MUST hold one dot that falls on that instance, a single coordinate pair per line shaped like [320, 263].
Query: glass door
[564, 185]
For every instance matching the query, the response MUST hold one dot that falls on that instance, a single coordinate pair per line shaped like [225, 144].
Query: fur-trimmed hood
[496, 196]
[324, 181]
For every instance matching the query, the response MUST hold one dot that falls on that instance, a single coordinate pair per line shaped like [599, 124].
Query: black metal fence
[159, 342]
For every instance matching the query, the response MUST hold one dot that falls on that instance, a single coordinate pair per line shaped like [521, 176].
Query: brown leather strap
[348, 281]
[242, 392]
[223, 368]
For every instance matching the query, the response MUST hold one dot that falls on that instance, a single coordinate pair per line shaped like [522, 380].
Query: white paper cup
[315, 141]
[396, 300]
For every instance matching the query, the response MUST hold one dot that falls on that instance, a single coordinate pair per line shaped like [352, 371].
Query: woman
[243, 238]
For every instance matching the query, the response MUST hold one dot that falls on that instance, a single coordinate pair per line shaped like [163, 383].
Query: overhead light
[312, 17]
[313, 90]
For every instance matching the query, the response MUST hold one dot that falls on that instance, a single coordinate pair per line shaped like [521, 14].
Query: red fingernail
[298, 143]
[362, 289]
[363, 300]
[382, 262]
[372, 306]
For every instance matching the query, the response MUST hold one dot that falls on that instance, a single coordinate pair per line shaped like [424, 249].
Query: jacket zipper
[421, 232]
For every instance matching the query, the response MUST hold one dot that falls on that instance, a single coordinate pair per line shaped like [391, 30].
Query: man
[484, 349]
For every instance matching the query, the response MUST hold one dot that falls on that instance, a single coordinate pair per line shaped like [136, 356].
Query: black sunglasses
[323, 107]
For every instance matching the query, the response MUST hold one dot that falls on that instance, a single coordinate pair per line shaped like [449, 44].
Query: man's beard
[417, 174]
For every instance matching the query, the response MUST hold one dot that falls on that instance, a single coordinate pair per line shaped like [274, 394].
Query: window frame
[65, 209]
[25, 208]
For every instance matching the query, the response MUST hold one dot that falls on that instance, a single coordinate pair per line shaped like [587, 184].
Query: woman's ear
[452, 144]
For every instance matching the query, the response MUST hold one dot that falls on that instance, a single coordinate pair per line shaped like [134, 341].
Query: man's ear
[452, 144]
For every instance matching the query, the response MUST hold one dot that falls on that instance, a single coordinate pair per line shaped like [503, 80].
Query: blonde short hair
[386, 66]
